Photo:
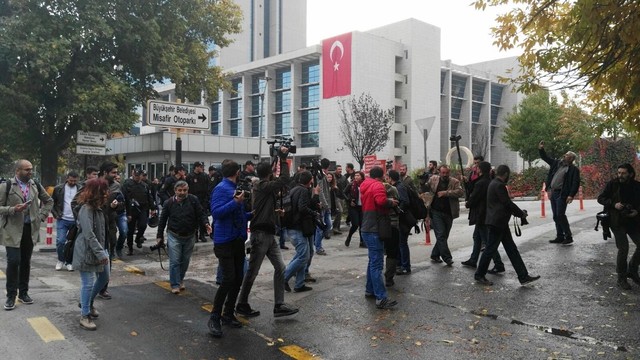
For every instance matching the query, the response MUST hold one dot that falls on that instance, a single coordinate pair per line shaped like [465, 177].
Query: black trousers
[19, 264]
[622, 243]
[231, 262]
[139, 220]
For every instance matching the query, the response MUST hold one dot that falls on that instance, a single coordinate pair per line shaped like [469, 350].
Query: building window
[235, 127]
[443, 77]
[476, 111]
[309, 104]
[283, 78]
[458, 85]
[496, 94]
[236, 108]
[310, 97]
[283, 124]
[215, 118]
[310, 125]
[477, 93]
[456, 108]
[310, 73]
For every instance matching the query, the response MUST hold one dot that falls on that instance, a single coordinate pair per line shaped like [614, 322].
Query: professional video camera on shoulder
[281, 141]
[244, 186]
[316, 169]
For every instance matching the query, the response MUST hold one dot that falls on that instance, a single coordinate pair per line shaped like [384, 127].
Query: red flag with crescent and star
[336, 66]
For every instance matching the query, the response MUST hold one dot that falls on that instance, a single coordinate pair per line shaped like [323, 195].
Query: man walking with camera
[263, 240]
[323, 231]
[621, 199]
[563, 182]
[199, 186]
[62, 211]
[138, 204]
[499, 211]
[230, 223]
[181, 215]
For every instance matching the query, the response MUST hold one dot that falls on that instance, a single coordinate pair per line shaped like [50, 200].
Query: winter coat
[12, 222]
[89, 249]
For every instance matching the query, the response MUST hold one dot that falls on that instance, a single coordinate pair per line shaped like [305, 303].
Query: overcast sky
[465, 31]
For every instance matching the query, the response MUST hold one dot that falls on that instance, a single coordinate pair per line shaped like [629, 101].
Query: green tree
[87, 64]
[365, 126]
[584, 44]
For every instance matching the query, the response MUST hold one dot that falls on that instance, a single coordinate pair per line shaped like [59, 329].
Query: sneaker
[496, 270]
[130, 252]
[386, 304]
[175, 291]
[622, 283]
[246, 310]
[337, 232]
[105, 295]
[469, 263]
[403, 272]
[347, 242]
[369, 295]
[284, 247]
[59, 265]
[10, 304]
[303, 288]
[287, 288]
[449, 262]
[309, 279]
[283, 310]
[69, 267]
[634, 277]
[435, 259]
[321, 252]
[214, 325]
[529, 279]
[567, 242]
[119, 253]
[25, 299]
[557, 240]
[182, 287]
[231, 320]
[87, 323]
[483, 281]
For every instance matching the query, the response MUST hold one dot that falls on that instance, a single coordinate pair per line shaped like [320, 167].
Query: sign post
[90, 143]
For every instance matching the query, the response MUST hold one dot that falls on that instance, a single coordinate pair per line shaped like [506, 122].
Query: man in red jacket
[375, 204]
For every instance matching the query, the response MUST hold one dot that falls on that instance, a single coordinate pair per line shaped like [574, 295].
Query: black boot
[390, 271]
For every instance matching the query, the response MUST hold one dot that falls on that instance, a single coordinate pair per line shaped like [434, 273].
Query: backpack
[285, 203]
[8, 189]
[416, 205]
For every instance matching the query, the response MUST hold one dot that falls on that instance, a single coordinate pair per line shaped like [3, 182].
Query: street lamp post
[264, 89]
[425, 125]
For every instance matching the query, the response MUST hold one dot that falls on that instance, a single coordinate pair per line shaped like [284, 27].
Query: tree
[583, 44]
[86, 65]
[365, 126]
[563, 126]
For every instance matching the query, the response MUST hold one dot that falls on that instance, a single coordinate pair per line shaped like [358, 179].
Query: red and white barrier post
[49, 238]
[427, 230]
[581, 197]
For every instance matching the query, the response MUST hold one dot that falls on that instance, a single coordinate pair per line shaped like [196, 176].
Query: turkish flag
[336, 66]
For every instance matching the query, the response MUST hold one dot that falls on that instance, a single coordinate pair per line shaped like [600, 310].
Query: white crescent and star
[336, 44]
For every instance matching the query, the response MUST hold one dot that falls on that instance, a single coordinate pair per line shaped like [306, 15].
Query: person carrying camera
[182, 214]
[499, 211]
[263, 240]
[198, 182]
[323, 231]
[563, 182]
[230, 221]
[621, 199]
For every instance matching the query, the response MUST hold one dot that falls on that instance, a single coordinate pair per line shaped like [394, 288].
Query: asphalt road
[575, 311]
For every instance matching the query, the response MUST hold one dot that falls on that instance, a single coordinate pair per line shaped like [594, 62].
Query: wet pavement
[574, 311]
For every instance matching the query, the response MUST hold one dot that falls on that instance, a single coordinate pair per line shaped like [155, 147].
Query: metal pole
[425, 134]
[264, 90]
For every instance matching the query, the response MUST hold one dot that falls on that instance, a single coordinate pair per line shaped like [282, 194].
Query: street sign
[174, 115]
[91, 138]
[91, 150]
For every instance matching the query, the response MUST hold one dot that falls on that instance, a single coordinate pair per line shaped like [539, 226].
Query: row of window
[282, 114]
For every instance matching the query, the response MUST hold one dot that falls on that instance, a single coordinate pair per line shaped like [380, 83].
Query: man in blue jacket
[230, 223]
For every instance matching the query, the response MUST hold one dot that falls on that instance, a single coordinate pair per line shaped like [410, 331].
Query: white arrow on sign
[184, 116]
[91, 138]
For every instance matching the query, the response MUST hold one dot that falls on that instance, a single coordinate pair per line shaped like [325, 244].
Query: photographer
[199, 186]
[181, 215]
[230, 221]
[263, 241]
[499, 211]
[624, 221]
[138, 204]
[323, 231]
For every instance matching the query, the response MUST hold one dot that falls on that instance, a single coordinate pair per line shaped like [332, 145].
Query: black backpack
[416, 205]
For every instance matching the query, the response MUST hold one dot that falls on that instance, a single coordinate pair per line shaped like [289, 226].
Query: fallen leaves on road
[449, 342]
[133, 333]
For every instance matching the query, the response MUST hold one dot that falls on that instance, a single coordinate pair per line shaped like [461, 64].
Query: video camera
[316, 169]
[159, 245]
[389, 165]
[281, 141]
[244, 186]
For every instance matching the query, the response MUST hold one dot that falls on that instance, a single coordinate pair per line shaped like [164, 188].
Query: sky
[465, 31]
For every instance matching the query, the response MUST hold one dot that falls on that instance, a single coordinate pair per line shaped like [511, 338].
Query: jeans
[62, 227]
[123, 229]
[310, 241]
[264, 244]
[405, 254]
[19, 264]
[298, 263]
[180, 250]
[91, 284]
[480, 236]
[441, 224]
[375, 280]
[622, 243]
[496, 236]
[559, 209]
[231, 258]
[326, 216]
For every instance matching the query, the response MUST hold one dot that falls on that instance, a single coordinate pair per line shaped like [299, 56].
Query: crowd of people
[280, 209]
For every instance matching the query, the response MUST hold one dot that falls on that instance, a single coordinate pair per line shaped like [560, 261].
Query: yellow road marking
[117, 261]
[207, 307]
[164, 284]
[298, 353]
[2, 275]
[135, 270]
[47, 331]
